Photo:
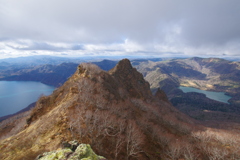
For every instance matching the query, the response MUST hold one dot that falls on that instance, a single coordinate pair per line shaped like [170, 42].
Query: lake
[16, 95]
[218, 96]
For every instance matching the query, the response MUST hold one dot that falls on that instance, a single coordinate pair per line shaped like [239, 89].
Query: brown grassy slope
[114, 112]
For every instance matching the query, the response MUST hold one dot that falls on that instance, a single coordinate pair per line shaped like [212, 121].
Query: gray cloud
[213, 22]
[77, 47]
[177, 26]
[39, 46]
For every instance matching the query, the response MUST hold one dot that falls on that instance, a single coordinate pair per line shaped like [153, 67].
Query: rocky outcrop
[72, 151]
[131, 79]
[160, 94]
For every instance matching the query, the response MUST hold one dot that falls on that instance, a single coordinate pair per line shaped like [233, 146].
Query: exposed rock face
[161, 95]
[81, 152]
[131, 79]
[72, 145]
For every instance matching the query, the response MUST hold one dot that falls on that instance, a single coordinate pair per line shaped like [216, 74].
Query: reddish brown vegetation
[117, 115]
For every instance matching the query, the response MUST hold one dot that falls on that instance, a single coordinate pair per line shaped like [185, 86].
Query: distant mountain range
[54, 75]
[211, 74]
[38, 60]
[31, 61]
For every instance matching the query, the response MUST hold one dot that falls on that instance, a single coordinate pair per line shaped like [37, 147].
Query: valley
[217, 96]
[211, 74]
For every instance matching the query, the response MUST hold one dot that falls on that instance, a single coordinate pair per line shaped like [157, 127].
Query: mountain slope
[115, 113]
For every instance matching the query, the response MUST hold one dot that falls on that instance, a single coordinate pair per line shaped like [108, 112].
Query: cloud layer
[82, 27]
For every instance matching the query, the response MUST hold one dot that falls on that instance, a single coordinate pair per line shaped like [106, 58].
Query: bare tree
[134, 139]
[174, 150]
[119, 143]
[77, 122]
[216, 153]
[189, 153]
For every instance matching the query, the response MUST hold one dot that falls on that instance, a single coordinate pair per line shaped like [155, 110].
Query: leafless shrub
[76, 123]
[227, 138]
[101, 103]
[134, 140]
[217, 144]
[89, 69]
[174, 150]
[161, 137]
[203, 136]
[235, 154]
[140, 104]
[188, 153]
[119, 145]
[216, 153]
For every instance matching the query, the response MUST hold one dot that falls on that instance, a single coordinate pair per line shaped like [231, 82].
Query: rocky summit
[115, 113]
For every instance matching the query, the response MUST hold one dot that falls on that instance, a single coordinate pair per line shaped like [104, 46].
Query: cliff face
[131, 80]
[113, 111]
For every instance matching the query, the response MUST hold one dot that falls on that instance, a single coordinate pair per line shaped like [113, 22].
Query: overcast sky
[120, 27]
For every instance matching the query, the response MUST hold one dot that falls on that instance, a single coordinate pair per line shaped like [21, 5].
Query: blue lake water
[16, 95]
[218, 96]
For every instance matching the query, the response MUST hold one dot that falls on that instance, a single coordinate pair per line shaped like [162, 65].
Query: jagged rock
[55, 155]
[72, 145]
[160, 94]
[131, 79]
[81, 69]
[85, 152]
[72, 151]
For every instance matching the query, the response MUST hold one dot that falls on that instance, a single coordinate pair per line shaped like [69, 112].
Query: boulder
[72, 151]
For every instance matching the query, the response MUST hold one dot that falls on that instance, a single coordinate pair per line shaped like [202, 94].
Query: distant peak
[122, 65]
[126, 62]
